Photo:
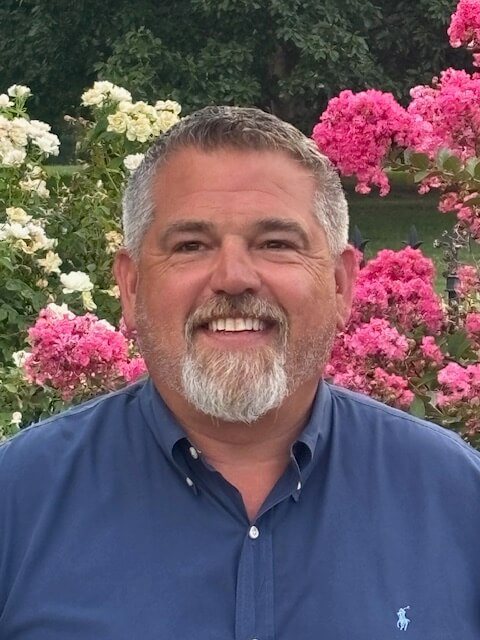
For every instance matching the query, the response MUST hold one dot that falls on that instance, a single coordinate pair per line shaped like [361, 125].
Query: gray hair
[241, 128]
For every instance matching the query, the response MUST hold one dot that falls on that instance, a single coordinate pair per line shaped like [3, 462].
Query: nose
[234, 272]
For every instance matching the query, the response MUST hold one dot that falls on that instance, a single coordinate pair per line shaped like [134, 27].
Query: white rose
[13, 157]
[50, 263]
[133, 161]
[93, 98]
[76, 281]
[168, 105]
[16, 418]
[117, 122]
[19, 358]
[38, 128]
[17, 231]
[104, 86]
[119, 94]
[5, 100]
[19, 91]
[87, 301]
[165, 120]
[60, 310]
[37, 185]
[17, 214]
[48, 143]
[139, 128]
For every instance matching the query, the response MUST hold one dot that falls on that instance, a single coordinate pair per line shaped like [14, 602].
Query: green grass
[386, 223]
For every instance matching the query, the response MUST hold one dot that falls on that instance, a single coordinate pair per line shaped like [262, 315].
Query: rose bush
[57, 239]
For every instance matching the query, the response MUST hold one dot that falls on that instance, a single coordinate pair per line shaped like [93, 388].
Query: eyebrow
[265, 225]
[280, 224]
[186, 226]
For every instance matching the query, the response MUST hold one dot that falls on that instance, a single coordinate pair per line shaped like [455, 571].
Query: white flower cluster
[24, 233]
[34, 182]
[133, 161]
[17, 133]
[79, 281]
[104, 92]
[138, 121]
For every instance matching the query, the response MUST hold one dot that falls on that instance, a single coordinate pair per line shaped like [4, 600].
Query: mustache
[243, 305]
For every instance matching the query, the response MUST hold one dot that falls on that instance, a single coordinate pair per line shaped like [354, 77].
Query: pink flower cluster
[450, 112]
[469, 280]
[399, 286]
[391, 338]
[76, 354]
[357, 131]
[464, 29]
[460, 394]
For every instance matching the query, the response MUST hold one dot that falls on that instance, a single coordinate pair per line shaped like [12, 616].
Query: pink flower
[74, 354]
[464, 29]
[357, 131]
[469, 280]
[431, 350]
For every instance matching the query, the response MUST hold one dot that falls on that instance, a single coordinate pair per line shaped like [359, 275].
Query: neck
[252, 457]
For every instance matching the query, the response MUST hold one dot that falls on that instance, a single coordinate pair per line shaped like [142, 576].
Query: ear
[346, 270]
[126, 275]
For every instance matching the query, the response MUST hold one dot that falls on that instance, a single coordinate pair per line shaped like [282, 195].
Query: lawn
[386, 222]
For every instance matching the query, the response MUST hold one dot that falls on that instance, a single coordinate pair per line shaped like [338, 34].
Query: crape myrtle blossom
[77, 354]
[464, 29]
[358, 130]
[460, 394]
[390, 342]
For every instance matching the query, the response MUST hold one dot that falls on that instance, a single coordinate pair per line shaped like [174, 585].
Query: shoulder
[50, 442]
[374, 422]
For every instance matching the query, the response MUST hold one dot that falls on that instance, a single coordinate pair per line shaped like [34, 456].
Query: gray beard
[235, 386]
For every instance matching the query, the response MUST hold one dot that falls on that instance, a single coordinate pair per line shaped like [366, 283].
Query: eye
[189, 247]
[277, 245]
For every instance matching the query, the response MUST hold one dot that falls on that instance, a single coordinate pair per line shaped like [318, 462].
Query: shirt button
[189, 481]
[253, 533]
[299, 486]
[193, 453]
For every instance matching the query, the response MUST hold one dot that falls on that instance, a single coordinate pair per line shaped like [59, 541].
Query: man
[234, 495]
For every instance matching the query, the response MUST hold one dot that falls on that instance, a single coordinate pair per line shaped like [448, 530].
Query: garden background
[109, 77]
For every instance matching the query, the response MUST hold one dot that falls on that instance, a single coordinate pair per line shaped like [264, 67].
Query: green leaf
[419, 161]
[452, 164]
[417, 408]
[458, 343]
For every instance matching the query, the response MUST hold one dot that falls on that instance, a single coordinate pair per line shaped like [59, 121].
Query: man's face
[235, 297]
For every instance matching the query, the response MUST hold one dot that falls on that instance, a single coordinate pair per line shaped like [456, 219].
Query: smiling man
[234, 494]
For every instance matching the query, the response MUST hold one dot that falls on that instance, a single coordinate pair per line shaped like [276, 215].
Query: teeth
[236, 324]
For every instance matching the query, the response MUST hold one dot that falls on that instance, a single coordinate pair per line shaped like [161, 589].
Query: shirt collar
[311, 441]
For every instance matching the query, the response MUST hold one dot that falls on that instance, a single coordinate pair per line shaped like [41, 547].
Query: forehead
[192, 181]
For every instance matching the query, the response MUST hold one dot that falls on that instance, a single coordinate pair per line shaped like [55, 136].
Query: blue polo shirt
[113, 528]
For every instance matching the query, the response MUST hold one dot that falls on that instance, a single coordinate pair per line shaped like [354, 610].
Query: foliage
[56, 245]
[402, 346]
[285, 56]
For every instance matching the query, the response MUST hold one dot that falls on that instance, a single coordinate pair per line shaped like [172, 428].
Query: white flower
[5, 100]
[168, 105]
[60, 310]
[16, 230]
[19, 129]
[93, 98]
[76, 281]
[19, 91]
[51, 262]
[19, 358]
[87, 301]
[139, 128]
[104, 86]
[17, 214]
[117, 122]
[133, 161]
[165, 120]
[36, 185]
[48, 143]
[119, 94]
[13, 157]
[16, 418]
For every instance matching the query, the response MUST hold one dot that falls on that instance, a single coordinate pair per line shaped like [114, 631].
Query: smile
[236, 324]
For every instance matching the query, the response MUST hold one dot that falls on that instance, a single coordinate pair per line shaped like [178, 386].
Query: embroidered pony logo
[403, 621]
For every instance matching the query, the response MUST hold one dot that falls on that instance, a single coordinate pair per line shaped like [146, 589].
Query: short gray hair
[241, 128]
